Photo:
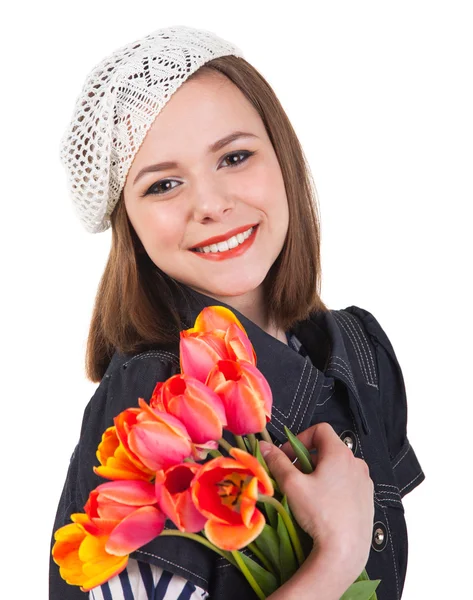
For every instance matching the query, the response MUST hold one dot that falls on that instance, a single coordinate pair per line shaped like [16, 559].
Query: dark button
[380, 536]
[349, 438]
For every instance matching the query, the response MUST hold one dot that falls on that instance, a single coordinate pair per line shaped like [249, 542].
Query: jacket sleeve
[393, 405]
[126, 379]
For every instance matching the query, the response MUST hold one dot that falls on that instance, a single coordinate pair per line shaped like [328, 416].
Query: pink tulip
[159, 440]
[127, 511]
[245, 393]
[173, 492]
[217, 335]
[199, 408]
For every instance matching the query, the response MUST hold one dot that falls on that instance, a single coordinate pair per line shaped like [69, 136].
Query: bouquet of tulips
[154, 456]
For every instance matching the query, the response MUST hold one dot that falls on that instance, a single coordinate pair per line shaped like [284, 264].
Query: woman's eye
[161, 185]
[246, 154]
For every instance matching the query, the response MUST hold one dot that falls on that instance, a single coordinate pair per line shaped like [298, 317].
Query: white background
[380, 96]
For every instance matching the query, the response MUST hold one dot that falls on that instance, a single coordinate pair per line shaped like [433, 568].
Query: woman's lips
[233, 252]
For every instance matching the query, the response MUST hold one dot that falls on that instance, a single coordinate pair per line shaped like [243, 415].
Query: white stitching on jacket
[171, 563]
[366, 346]
[360, 349]
[403, 456]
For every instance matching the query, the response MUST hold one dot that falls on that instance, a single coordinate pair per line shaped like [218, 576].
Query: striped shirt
[142, 581]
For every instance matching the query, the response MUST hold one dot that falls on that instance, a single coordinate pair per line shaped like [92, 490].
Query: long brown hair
[134, 307]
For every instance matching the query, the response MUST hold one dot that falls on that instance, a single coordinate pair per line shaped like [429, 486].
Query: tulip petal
[107, 570]
[235, 537]
[71, 532]
[198, 391]
[216, 317]
[134, 531]
[157, 446]
[133, 493]
[198, 357]
[202, 422]
[115, 462]
[238, 345]
[245, 413]
[259, 384]
[205, 489]
[191, 520]
[248, 501]
[252, 464]
[120, 474]
[156, 397]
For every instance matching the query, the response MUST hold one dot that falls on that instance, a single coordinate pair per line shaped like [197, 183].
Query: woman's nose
[211, 202]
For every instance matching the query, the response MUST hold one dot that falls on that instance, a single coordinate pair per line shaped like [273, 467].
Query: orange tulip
[128, 512]
[216, 335]
[245, 393]
[199, 408]
[155, 439]
[173, 491]
[81, 555]
[225, 490]
[118, 463]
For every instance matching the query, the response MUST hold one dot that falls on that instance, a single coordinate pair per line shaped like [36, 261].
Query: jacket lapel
[295, 381]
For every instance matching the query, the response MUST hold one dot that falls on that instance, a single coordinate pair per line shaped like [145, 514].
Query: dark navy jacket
[368, 409]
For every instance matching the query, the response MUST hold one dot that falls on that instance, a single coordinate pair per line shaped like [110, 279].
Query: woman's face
[209, 191]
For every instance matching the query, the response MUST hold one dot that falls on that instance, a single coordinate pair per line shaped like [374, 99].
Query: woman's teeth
[232, 242]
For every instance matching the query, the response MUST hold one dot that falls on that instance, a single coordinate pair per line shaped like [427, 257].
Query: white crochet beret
[119, 101]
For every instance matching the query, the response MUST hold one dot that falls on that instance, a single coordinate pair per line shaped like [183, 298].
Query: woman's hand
[335, 503]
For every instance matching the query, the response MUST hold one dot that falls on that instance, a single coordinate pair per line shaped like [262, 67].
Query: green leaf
[361, 590]
[268, 543]
[300, 451]
[272, 514]
[265, 579]
[287, 558]
[365, 577]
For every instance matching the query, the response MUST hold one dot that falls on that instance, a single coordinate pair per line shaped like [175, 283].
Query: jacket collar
[298, 385]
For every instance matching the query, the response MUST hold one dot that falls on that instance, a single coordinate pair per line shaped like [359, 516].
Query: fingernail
[265, 447]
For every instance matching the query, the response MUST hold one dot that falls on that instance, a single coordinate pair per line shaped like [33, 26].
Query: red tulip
[225, 490]
[174, 496]
[245, 393]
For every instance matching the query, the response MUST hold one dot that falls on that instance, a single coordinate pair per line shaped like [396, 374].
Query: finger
[320, 439]
[278, 463]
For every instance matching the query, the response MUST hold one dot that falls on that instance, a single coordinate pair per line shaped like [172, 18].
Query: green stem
[240, 443]
[252, 439]
[266, 437]
[202, 540]
[215, 453]
[288, 523]
[246, 572]
[223, 442]
[257, 552]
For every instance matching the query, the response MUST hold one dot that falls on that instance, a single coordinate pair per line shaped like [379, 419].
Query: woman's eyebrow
[218, 145]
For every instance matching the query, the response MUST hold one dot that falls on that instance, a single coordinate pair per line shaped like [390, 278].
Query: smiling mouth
[229, 244]
[220, 255]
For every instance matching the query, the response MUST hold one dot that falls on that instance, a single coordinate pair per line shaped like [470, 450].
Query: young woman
[182, 147]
